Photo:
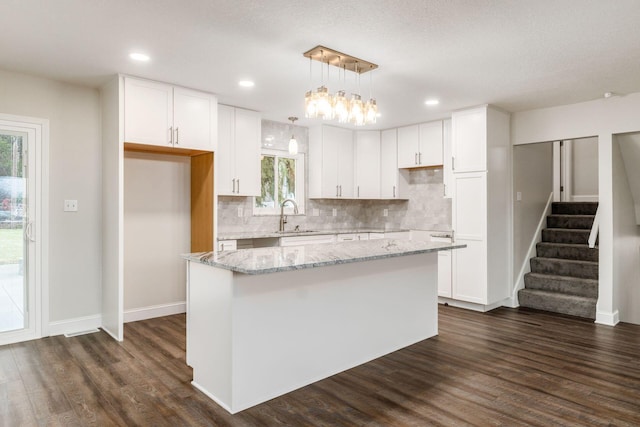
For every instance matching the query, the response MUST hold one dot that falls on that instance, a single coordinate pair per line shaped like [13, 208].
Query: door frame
[39, 172]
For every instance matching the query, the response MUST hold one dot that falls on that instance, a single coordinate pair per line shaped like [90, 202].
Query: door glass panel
[12, 242]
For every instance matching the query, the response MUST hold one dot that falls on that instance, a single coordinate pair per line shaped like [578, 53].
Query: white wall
[74, 173]
[533, 178]
[584, 169]
[604, 118]
[630, 149]
[626, 241]
[157, 229]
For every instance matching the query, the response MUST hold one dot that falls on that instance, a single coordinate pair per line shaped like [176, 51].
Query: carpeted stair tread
[574, 208]
[573, 251]
[562, 284]
[565, 267]
[565, 235]
[584, 222]
[572, 305]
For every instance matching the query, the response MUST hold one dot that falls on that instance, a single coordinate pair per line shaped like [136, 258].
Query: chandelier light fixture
[321, 104]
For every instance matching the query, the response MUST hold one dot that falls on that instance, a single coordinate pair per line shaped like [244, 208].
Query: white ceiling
[515, 54]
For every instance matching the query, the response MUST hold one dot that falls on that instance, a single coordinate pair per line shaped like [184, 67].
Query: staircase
[564, 274]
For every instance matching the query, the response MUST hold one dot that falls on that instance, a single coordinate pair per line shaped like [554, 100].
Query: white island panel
[289, 329]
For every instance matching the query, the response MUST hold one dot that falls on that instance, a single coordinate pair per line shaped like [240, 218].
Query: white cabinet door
[247, 152]
[227, 245]
[447, 173]
[192, 113]
[346, 164]
[225, 155]
[331, 140]
[469, 217]
[394, 182]
[444, 274]
[398, 235]
[368, 164]
[430, 152]
[408, 146]
[307, 240]
[469, 133]
[148, 112]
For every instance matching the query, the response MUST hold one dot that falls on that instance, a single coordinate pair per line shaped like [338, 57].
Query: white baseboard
[143, 313]
[74, 326]
[609, 319]
[585, 198]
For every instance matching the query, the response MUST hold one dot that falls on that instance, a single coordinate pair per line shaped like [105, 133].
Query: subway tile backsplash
[426, 208]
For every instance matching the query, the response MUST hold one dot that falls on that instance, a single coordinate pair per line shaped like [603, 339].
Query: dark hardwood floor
[507, 367]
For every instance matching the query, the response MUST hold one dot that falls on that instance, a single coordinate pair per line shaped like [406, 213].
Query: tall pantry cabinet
[481, 210]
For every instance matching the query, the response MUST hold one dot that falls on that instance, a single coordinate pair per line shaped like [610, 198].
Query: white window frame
[300, 186]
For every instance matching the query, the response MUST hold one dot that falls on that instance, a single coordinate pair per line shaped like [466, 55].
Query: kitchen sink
[296, 231]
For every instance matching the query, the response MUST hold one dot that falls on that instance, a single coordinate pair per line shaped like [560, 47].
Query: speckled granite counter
[276, 259]
[240, 235]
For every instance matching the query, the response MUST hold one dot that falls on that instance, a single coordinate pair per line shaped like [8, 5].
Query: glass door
[14, 230]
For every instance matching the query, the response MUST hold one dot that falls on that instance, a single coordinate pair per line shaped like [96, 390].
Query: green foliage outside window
[278, 181]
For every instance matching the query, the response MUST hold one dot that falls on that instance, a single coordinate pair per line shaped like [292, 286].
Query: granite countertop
[239, 235]
[276, 259]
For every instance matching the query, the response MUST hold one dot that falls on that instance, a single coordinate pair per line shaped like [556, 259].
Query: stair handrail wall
[595, 229]
[526, 264]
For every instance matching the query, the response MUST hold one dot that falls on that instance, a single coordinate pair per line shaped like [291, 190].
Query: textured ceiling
[515, 54]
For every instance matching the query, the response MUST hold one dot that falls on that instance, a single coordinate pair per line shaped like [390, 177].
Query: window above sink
[282, 177]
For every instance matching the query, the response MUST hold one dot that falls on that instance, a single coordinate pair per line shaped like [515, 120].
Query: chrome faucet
[283, 218]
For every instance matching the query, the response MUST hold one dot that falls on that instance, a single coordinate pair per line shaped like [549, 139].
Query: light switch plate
[335, 212]
[518, 196]
[70, 205]
[240, 212]
[385, 212]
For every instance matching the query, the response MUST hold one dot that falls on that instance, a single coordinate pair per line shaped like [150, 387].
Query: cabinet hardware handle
[453, 163]
[394, 191]
[415, 158]
[358, 191]
[419, 158]
[171, 135]
[341, 191]
[222, 247]
[337, 193]
[233, 188]
[177, 135]
[238, 181]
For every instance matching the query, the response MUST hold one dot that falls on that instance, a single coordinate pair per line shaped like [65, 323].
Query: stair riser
[578, 222]
[558, 305]
[575, 253]
[560, 267]
[564, 236]
[575, 208]
[581, 288]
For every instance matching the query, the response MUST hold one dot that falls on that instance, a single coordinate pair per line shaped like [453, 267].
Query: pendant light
[293, 143]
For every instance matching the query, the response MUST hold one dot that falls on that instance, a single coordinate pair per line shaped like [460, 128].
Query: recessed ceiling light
[246, 83]
[137, 56]
[432, 102]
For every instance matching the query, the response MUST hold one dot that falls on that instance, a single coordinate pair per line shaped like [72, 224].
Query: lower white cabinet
[227, 245]
[398, 235]
[307, 240]
[348, 237]
[444, 269]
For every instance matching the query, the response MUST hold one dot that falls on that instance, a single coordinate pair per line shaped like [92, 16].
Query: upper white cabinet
[168, 116]
[331, 162]
[420, 145]
[394, 182]
[447, 172]
[469, 140]
[367, 164]
[238, 153]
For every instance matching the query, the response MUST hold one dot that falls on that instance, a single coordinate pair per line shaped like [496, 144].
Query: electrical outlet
[70, 205]
[240, 212]
[385, 212]
[518, 196]
[316, 212]
[335, 212]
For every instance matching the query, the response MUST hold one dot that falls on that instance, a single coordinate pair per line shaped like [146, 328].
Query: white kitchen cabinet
[394, 182]
[367, 164]
[399, 235]
[376, 236]
[168, 116]
[420, 145]
[469, 143]
[349, 237]
[238, 154]
[447, 172]
[227, 245]
[444, 268]
[307, 240]
[331, 163]
[481, 208]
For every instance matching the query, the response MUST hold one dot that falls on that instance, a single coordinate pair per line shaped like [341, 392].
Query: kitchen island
[263, 322]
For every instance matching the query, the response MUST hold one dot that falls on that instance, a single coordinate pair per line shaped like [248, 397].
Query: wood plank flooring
[507, 367]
